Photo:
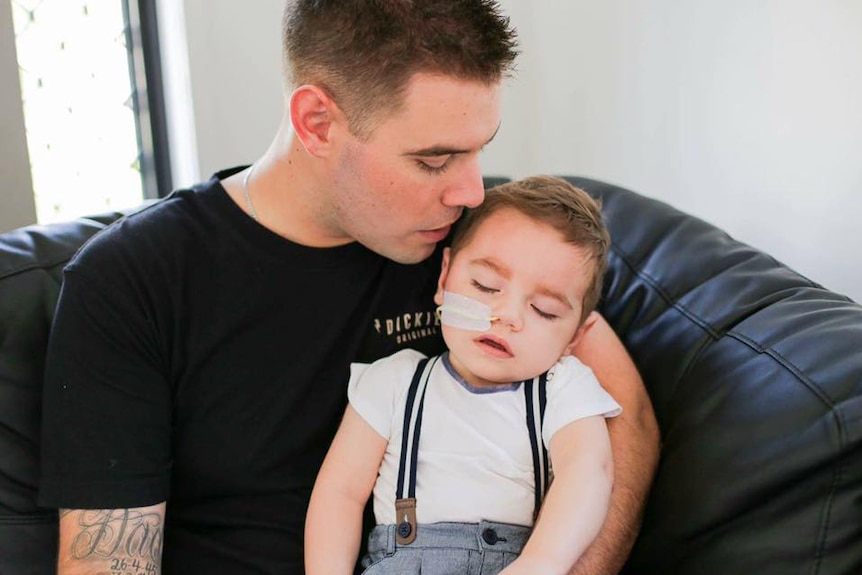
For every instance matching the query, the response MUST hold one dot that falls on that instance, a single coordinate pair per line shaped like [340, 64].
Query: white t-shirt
[475, 461]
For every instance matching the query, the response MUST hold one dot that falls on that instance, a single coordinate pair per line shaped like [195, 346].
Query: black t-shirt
[199, 358]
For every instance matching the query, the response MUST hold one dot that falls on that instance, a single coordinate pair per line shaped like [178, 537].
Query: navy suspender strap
[536, 397]
[543, 402]
[405, 507]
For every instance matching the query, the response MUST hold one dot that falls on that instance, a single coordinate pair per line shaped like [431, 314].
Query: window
[92, 107]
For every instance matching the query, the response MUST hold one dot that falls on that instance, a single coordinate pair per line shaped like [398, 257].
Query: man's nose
[466, 189]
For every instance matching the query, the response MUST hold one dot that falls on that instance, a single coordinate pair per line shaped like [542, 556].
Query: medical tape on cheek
[464, 313]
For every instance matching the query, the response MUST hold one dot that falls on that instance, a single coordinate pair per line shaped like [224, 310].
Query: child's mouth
[494, 346]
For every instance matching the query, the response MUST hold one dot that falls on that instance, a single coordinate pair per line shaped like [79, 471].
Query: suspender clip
[405, 516]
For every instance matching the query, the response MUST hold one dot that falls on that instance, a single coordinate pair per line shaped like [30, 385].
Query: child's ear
[584, 328]
[441, 282]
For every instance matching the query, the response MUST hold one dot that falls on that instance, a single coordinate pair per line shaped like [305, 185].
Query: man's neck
[287, 194]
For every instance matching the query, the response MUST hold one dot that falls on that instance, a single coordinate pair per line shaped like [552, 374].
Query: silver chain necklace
[247, 195]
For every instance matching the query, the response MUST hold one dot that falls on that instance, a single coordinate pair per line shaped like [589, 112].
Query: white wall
[17, 206]
[747, 113]
[234, 60]
[744, 112]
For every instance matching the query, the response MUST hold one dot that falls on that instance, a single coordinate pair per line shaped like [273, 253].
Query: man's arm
[635, 445]
[111, 541]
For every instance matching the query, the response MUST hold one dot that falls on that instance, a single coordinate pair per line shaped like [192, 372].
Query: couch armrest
[31, 268]
[755, 373]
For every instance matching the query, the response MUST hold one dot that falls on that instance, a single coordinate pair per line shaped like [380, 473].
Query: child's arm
[576, 503]
[333, 526]
[635, 442]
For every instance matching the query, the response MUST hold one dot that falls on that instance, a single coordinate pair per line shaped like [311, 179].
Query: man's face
[399, 191]
[533, 281]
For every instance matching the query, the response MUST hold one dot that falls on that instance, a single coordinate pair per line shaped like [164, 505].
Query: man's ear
[313, 114]
[444, 272]
[583, 329]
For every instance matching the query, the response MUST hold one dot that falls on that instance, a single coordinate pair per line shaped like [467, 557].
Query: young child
[454, 447]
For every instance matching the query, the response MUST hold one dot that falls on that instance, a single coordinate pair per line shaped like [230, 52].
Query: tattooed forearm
[112, 541]
[118, 533]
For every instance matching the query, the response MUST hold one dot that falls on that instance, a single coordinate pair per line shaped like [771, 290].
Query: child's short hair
[556, 202]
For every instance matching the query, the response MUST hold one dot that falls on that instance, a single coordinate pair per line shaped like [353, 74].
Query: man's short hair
[553, 201]
[363, 53]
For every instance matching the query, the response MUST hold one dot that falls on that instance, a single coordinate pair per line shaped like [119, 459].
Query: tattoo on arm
[125, 541]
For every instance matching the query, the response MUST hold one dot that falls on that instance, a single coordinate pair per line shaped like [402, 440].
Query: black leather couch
[754, 371]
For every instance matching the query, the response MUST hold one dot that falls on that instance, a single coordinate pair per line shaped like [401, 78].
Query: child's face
[533, 282]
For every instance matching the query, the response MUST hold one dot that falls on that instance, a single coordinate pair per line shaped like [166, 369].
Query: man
[198, 366]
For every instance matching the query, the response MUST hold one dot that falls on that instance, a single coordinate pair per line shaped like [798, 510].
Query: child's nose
[510, 314]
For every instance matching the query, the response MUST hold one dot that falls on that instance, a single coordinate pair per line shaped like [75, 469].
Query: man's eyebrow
[435, 151]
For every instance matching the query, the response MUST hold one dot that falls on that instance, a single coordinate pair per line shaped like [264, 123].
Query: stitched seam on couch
[649, 281]
[58, 261]
[825, 518]
[670, 302]
[790, 366]
[67, 256]
[840, 423]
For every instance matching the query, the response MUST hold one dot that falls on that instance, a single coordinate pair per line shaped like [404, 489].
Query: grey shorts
[445, 549]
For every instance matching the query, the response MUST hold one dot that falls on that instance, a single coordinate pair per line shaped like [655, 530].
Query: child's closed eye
[545, 315]
[483, 288]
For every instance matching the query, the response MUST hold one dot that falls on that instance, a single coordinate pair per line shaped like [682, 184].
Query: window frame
[145, 68]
